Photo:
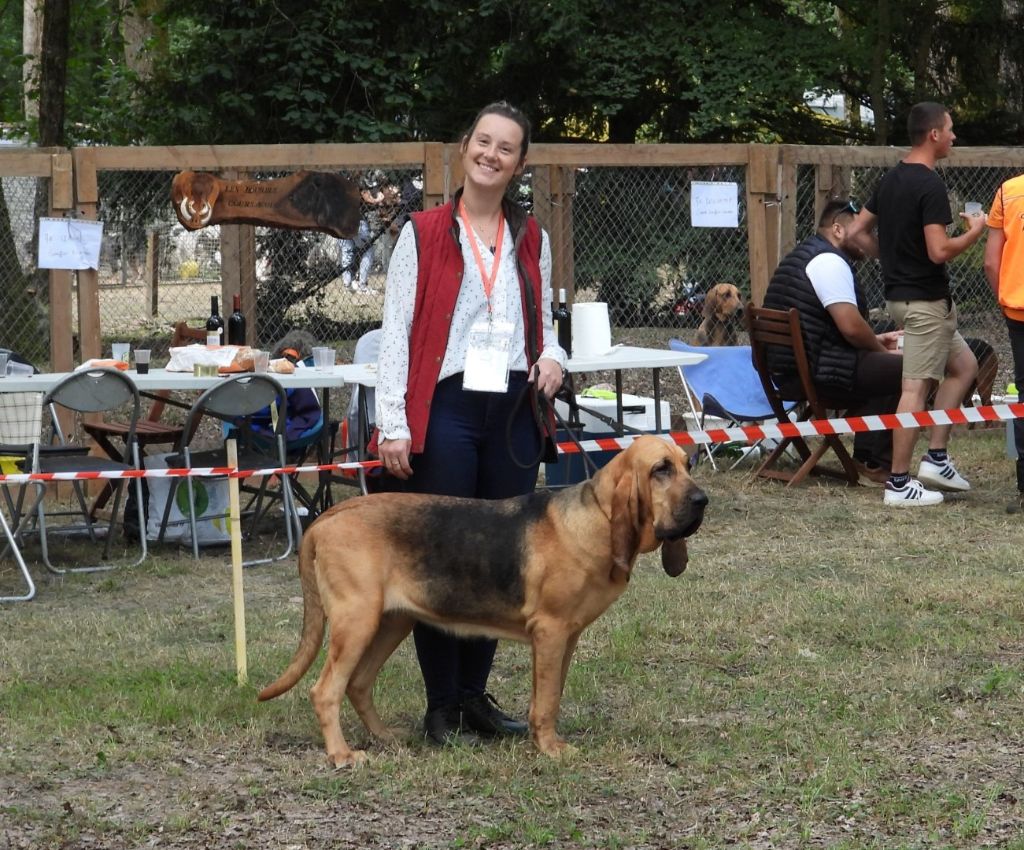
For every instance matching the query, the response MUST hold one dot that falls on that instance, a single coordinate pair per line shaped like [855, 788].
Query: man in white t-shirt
[848, 359]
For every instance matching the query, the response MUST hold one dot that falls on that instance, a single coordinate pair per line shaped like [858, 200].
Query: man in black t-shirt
[911, 207]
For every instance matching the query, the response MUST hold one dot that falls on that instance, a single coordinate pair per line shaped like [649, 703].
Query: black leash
[540, 405]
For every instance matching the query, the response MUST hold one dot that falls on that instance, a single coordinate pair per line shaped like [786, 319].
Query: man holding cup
[911, 208]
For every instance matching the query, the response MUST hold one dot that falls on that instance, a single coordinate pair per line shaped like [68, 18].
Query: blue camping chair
[726, 386]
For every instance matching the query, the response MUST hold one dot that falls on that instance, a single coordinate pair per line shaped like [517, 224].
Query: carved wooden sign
[305, 200]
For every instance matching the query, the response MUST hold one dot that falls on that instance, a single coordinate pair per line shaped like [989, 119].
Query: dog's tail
[313, 621]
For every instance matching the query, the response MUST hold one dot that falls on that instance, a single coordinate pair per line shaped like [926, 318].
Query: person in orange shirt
[1004, 268]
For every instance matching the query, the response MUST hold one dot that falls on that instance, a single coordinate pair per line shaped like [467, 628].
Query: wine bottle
[563, 323]
[214, 324]
[236, 323]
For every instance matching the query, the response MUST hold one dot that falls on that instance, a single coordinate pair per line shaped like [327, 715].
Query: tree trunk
[876, 85]
[31, 47]
[142, 40]
[53, 72]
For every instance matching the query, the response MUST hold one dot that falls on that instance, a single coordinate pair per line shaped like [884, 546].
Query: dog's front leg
[552, 648]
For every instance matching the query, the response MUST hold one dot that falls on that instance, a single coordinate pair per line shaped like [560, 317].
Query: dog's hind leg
[393, 629]
[353, 626]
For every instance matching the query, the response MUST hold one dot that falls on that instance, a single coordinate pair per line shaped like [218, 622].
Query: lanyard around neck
[487, 278]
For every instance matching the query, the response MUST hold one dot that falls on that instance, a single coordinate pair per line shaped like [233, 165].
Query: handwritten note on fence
[68, 243]
[714, 204]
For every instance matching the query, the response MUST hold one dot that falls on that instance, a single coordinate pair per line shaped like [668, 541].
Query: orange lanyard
[487, 278]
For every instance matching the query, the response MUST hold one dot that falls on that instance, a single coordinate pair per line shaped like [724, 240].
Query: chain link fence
[628, 241]
[24, 290]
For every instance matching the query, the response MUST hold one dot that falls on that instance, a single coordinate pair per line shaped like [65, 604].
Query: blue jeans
[466, 454]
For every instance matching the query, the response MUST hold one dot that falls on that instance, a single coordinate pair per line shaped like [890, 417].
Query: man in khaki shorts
[911, 207]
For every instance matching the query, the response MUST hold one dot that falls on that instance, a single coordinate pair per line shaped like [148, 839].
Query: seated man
[304, 418]
[848, 360]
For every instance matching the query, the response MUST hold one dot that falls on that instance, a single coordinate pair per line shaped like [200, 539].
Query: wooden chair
[782, 327]
[150, 430]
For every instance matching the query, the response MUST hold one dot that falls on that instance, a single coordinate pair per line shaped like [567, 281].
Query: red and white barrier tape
[744, 434]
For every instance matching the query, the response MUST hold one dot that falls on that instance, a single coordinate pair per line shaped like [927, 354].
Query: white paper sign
[69, 243]
[714, 204]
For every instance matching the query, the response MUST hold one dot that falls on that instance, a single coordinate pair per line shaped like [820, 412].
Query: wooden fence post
[763, 202]
[87, 203]
[151, 280]
[62, 202]
[238, 267]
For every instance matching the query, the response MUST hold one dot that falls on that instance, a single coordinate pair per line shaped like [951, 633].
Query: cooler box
[637, 412]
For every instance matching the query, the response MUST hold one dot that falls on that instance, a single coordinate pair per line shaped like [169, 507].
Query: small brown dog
[723, 310]
[538, 569]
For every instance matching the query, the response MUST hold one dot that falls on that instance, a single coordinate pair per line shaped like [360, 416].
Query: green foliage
[651, 70]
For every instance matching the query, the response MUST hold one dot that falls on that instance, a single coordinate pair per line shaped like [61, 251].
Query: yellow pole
[236, 565]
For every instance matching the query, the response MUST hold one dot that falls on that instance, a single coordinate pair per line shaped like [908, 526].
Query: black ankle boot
[480, 713]
[443, 726]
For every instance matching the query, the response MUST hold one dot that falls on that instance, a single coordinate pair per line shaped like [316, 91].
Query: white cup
[121, 350]
[972, 208]
[260, 361]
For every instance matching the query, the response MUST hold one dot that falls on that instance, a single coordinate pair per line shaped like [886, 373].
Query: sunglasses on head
[851, 208]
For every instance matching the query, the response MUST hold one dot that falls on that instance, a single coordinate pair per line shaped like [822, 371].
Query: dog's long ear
[625, 523]
[710, 303]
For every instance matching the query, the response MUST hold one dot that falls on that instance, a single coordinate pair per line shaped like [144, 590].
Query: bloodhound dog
[722, 312]
[538, 569]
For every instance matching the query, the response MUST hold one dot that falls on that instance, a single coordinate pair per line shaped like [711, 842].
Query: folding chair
[20, 425]
[361, 416]
[150, 430]
[85, 392]
[725, 385]
[234, 401]
[769, 328]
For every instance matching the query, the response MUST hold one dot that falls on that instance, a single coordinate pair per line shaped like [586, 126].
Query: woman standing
[467, 330]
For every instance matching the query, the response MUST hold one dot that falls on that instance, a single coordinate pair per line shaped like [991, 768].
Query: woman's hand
[547, 374]
[394, 455]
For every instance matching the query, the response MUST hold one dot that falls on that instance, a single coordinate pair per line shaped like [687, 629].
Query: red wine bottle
[214, 324]
[236, 323]
[563, 323]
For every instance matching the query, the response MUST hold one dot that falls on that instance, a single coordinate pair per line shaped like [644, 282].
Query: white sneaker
[912, 494]
[941, 475]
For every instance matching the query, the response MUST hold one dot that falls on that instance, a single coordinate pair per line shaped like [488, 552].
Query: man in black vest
[848, 360]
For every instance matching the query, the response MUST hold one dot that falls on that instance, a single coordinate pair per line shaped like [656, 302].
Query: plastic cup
[3, 364]
[121, 350]
[142, 361]
[260, 361]
[323, 358]
[972, 208]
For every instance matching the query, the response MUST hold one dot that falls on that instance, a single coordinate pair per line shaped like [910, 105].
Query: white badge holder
[487, 358]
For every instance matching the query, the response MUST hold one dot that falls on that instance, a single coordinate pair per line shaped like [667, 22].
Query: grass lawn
[827, 673]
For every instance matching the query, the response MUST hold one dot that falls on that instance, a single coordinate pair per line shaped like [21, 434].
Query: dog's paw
[348, 758]
[556, 748]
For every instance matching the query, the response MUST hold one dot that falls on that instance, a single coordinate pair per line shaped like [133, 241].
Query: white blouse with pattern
[470, 306]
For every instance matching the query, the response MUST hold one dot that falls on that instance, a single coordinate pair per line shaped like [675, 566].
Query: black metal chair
[235, 400]
[84, 392]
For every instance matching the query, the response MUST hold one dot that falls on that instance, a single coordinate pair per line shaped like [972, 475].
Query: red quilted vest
[439, 278]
